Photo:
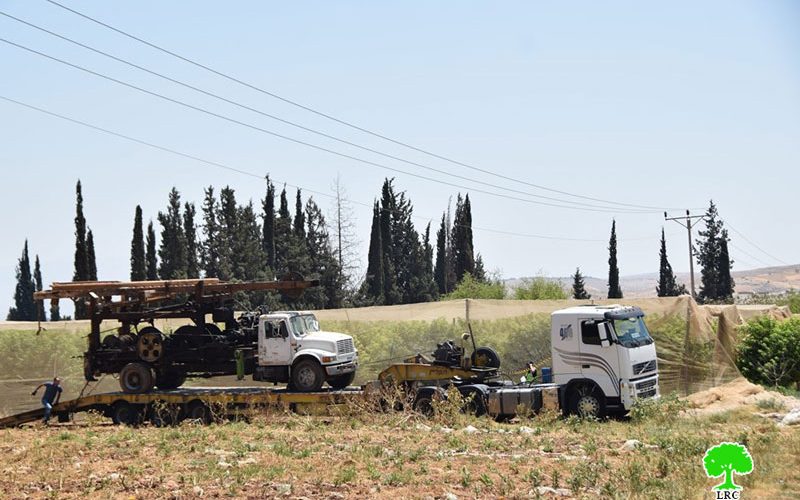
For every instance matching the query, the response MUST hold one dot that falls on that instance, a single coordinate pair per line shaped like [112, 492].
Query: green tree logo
[727, 458]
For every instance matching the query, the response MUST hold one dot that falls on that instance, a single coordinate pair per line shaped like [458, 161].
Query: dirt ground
[397, 455]
[736, 394]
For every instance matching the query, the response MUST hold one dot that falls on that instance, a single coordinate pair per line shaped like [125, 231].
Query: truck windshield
[304, 323]
[632, 332]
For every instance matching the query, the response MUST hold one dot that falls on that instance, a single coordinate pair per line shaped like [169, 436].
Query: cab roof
[607, 311]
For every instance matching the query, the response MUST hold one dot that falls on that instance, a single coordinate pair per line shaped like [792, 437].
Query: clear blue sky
[665, 104]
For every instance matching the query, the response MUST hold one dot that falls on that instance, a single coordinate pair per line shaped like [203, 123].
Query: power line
[298, 141]
[757, 247]
[340, 121]
[297, 125]
[732, 245]
[258, 176]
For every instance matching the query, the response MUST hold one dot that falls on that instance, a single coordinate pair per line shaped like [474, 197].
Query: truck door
[599, 361]
[274, 347]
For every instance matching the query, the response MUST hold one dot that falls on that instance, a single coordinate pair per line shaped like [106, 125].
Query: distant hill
[763, 280]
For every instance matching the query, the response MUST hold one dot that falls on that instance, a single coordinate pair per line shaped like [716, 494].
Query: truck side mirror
[605, 339]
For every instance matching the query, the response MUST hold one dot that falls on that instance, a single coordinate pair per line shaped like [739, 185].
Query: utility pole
[688, 225]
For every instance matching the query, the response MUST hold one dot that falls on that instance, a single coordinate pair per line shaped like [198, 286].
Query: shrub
[769, 351]
[471, 288]
[540, 288]
[790, 299]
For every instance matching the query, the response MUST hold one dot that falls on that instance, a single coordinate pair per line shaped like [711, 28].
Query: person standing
[51, 396]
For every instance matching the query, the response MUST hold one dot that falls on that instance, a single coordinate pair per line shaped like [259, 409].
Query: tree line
[239, 241]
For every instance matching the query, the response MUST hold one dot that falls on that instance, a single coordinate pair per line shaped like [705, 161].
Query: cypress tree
[190, 232]
[724, 265]
[578, 286]
[391, 295]
[138, 266]
[55, 311]
[614, 291]
[172, 251]
[373, 283]
[323, 264]
[283, 236]
[667, 285]
[268, 227]
[441, 270]
[299, 218]
[24, 308]
[429, 283]
[228, 238]
[81, 262]
[463, 256]
[91, 260]
[151, 259]
[209, 248]
[37, 280]
[480, 270]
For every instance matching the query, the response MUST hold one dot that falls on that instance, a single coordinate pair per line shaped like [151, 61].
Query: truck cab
[293, 349]
[603, 357]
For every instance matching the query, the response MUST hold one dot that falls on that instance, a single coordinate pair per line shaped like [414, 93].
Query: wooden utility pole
[688, 225]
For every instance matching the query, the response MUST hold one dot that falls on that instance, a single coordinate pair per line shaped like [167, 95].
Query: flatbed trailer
[196, 403]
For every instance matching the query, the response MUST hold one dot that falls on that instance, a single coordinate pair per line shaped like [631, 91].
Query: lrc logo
[565, 332]
[727, 459]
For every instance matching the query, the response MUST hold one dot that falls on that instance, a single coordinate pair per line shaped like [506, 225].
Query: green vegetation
[791, 299]
[769, 350]
[540, 288]
[472, 288]
[712, 254]
[614, 290]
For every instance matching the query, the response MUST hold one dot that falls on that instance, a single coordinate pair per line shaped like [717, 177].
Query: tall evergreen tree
[299, 227]
[463, 257]
[37, 281]
[578, 286]
[429, 285]
[190, 232]
[283, 236]
[667, 285]
[323, 264]
[24, 308]
[716, 283]
[151, 258]
[91, 260]
[55, 311]
[81, 262]
[209, 248]
[724, 265]
[391, 295]
[373, 284]
[229, 231]
[480, 269]
[441, 272]
[614, 290]
[172, 251]
[138, 265]
[268, 226]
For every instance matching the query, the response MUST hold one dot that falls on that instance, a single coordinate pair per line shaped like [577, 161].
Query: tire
[476, 405]
[124, 413]
[136, 378]
[307, 376]
[587, 402]
[170, 379]
[342, 381]
[423, 402]
[485, 357]
[164, 414]
[199, 411]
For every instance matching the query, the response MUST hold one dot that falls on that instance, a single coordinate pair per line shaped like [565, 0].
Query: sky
[663, 105]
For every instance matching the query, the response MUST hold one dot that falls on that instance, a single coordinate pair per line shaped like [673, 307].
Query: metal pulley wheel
[150, 345]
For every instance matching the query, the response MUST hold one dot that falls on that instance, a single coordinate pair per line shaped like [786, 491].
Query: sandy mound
[734, 394]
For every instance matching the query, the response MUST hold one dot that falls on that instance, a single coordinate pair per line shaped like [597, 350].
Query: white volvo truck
[292, 349]
[603, 360]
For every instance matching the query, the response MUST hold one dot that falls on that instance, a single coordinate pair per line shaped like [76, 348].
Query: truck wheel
[476, 404]
[136, 378]
[587, 402]
[423, 401]
[170, 379]
[342, 381]
[307, 376]
[485, 357]
[150, 344]
[199, 411]
[124, 413]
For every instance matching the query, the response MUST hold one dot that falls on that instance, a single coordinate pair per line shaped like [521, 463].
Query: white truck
[292, 349]
[603, 360]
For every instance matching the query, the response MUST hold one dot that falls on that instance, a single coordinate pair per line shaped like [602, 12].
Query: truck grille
[647, 388]
[644, 367]
[345, 346]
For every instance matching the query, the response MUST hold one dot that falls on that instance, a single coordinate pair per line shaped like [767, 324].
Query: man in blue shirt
[52, 393]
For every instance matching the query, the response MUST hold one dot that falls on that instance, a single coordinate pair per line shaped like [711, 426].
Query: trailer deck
[186, 398]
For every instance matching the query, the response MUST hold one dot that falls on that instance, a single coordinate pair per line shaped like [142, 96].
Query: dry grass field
[398, 455]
